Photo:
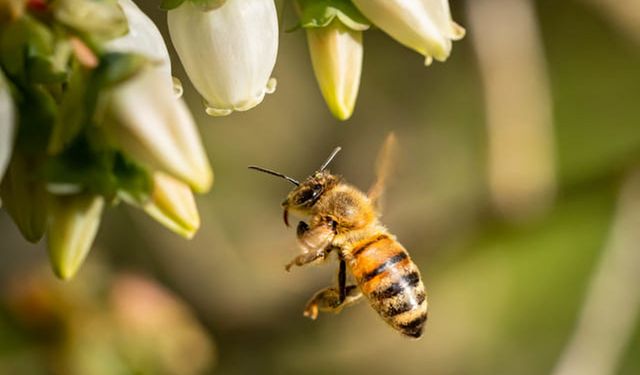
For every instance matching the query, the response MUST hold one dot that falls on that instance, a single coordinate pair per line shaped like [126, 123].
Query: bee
[344, 220]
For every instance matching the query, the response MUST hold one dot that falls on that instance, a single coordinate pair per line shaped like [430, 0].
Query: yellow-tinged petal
[172, 204]
[73, 224]
[336, 54]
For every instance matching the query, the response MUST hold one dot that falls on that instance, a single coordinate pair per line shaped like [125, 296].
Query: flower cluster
[89, 118]
[90, 115]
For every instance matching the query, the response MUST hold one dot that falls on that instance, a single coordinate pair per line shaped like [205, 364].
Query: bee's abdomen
[391, 281]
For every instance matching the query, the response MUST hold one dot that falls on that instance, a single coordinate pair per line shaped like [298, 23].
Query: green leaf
[95, 167]
[117, 67]
[170, 4]
[132, 179]
[38, 111]
[320, 13]
[24, 196]
[207, 5]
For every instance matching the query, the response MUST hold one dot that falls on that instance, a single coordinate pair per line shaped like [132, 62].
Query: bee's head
[302, 198]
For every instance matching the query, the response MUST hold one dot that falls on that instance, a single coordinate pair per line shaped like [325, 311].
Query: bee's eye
[305, 196]
[309, 194]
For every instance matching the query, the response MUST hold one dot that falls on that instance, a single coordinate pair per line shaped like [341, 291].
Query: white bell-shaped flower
[422, 25]
[155, 127]
[7, 125]
[143, 38]
[228, 52]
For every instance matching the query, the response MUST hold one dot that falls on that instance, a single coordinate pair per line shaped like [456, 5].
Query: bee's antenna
[274, 173]
[333, 154]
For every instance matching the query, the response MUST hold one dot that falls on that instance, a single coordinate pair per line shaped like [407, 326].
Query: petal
[143, 38]
[7, 125]
[73, 224]
[422, 25]
[336, 54]
[172, 204]
[229, 52]
[155, 127]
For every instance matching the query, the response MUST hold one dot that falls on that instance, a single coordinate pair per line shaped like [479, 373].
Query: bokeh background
[516, 190]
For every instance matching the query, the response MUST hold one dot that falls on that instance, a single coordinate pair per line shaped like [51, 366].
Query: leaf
[38, 111]
[96, 167]
[117, 67]
[320, 13]
[170, 4]
[24, 197]
[208, 5]
[132, 179]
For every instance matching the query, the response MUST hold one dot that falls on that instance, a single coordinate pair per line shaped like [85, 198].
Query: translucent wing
[383, 168]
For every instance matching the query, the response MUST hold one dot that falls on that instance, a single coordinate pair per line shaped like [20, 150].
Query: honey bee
[345, 220]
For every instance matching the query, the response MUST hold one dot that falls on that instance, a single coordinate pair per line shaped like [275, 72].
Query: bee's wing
[383, 168]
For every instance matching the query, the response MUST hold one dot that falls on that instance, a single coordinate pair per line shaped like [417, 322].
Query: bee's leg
[328, 300]
[342, 281]
[307, 258]
[315, 242]
[332, 299]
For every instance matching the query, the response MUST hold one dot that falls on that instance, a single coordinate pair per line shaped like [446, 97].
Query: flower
[172, 204]
[143, 38]
[336, 54]
[7, 125]
[155, 127]
[422, 25]
[73, 224]
[228, 52]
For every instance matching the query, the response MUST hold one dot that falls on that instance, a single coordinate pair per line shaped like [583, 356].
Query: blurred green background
[506, 288]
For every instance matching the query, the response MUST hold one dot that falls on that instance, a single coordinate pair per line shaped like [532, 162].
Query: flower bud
[143, 38]
[73, 224]
[24, 197]
[228, 52]
[336, 54]
[100, 19]
[172, 204]
[7, 125]
[155, 127]
[422, 25]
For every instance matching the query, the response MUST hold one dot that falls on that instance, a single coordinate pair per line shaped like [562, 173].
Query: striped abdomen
[391, 282]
